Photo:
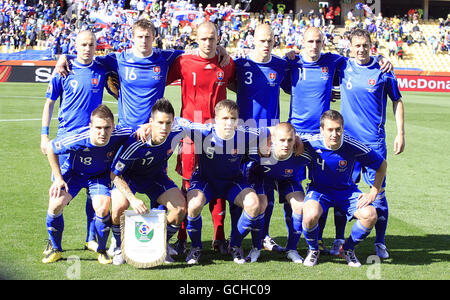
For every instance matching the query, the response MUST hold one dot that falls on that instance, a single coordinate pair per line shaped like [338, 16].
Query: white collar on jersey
[217, 134]
[80, 65]
[279, 159]
[251, 56]
[149, 141]
[371, 62]
[310, 62]
[325, 145]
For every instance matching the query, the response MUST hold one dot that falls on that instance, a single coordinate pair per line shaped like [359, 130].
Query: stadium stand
[50, 26]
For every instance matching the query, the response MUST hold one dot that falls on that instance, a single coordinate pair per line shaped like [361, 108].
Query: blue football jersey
[258, 89]
[311, 84]
[364, 91]
[220, 159]
[142, 82]
[86, 159]
[143, 160]
[332, 169]
[275, 169]
[80, 93]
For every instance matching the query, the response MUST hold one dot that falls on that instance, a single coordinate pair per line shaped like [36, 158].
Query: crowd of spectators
[53, 24]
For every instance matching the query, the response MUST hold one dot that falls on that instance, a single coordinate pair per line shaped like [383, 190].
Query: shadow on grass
[403, 250]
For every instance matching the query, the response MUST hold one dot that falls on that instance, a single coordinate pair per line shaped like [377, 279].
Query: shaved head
[85, 34]
[207, 39]
[85, 44]
[264, 42]
[312, 44]
[206, 26]
[263, 29]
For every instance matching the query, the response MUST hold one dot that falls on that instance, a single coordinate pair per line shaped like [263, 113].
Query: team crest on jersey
[288, 171]
[157, 71]
[272, 76]
[95, 82]
[109, 155]
[324, 73]
[342, 165]
[220, 75]
[372, 82]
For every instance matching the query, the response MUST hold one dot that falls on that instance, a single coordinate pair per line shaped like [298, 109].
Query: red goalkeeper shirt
[203, 84]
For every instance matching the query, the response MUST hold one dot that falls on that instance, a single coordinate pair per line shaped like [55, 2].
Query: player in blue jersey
[258, 79]
[220, 148]
[333, 157]
[257, 86]
[142, 72]
[80, 93]
[141, 167]
[364, 91]
[279, 172]
[91, 151]
[311, 84]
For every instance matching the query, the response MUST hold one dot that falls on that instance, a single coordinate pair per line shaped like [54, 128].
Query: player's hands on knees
[365, 200]
[62, 66]
[58, 188]
[139, 206]
[44, 143]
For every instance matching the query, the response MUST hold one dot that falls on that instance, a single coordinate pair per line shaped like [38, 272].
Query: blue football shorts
[343, 200]
[152, 186]
[224, 189]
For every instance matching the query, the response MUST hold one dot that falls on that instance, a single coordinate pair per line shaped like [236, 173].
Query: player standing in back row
[80, 93]
[364, 90]
[203, 84]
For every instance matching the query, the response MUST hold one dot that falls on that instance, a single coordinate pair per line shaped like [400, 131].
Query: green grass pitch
[417, 191]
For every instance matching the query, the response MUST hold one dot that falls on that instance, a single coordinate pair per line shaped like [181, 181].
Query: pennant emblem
[143, 232]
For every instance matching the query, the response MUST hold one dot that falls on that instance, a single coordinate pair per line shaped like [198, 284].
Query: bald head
[263, 29]
[207, 39]
[85, 34]
[284, 127]
[312, 44]
[207, 26]
[85, 44]
[264, 42]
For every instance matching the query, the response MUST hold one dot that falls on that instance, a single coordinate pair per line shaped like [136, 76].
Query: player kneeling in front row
[221, 147]
[91, 150]
[278, 172]
[141, 167]
[333, 157]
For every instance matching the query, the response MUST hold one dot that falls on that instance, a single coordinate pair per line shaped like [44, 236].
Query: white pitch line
[43, 98]
[23, 120]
